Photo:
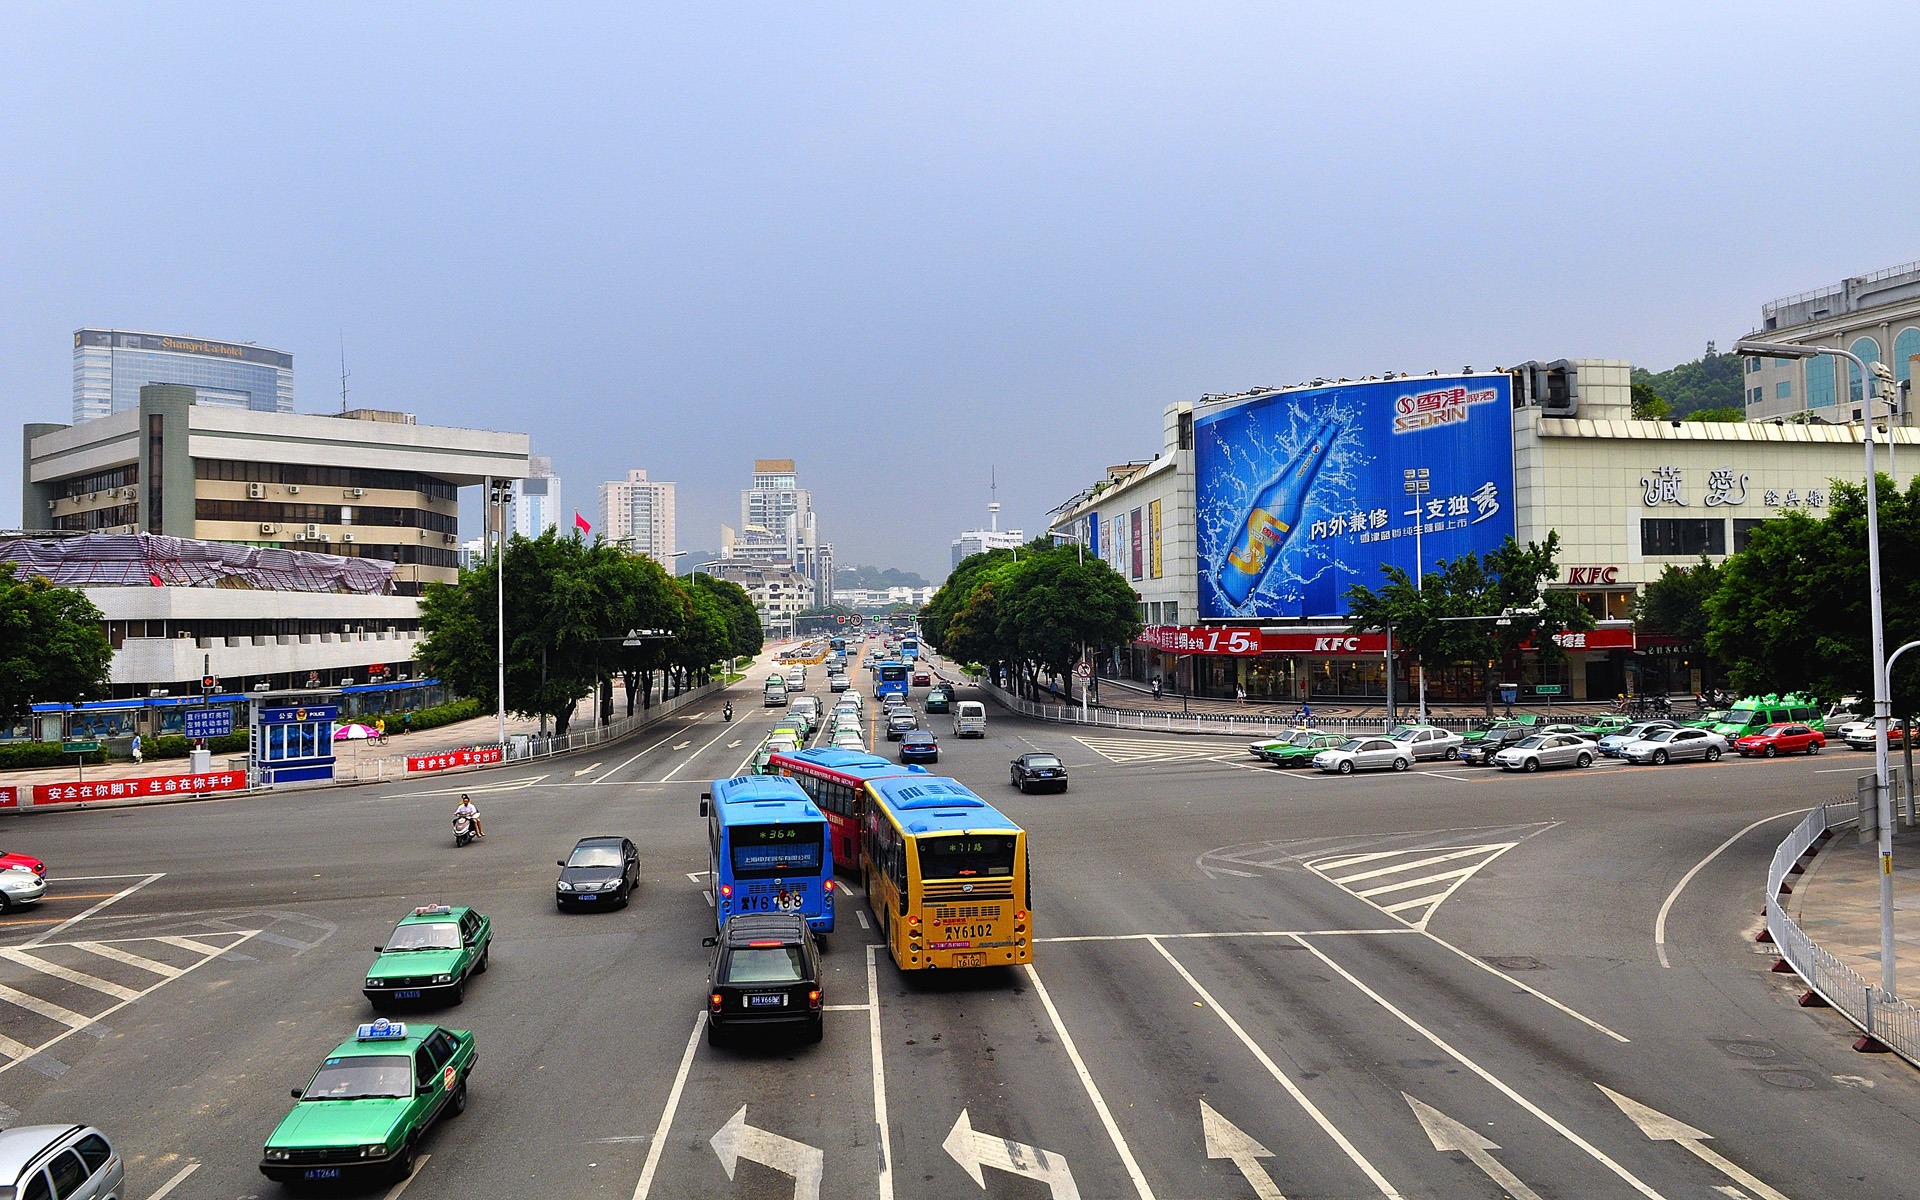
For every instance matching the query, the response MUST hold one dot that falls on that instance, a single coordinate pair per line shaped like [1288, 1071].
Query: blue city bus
[768, 850]
[910, 648]
[891, 679]
[837, 645]
[835, 780]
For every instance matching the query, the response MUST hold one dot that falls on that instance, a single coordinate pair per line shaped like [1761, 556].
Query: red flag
[580, 523]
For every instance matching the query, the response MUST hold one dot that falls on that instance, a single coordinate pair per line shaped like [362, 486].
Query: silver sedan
[1675, 745]
[1365, 754]
[1429, 742]
[1546, 750]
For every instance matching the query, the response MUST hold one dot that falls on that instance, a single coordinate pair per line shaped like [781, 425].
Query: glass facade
[1820, 385]
[1868, 351]
[1905, 345]
[110, 367]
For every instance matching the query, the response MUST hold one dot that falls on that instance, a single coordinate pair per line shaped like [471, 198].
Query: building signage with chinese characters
[208, 722]
[1197, 639]
[1725, 487]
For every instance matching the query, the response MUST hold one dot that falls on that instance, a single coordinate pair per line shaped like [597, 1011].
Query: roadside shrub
[43, 754]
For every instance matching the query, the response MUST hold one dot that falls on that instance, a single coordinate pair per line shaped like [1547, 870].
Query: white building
[979, 541]
[1875, 316]
[535, 507]
[779, 593]
[777, 526]
[877, 599]
[638, 513]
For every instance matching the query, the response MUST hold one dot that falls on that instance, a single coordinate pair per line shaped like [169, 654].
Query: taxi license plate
[408, 994]
[322, 1173]
[970, 960]
[764, 1001]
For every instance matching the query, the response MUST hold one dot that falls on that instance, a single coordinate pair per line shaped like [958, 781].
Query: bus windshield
[763, 851]
[892, 674]
[965, 856]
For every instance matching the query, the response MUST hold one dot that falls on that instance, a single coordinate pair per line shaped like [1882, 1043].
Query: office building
[778, 592]
[536, 501]
[363, 484]
[110, 366]
[979, 541]
[637, 513]
[778, 527]
[1875, 316]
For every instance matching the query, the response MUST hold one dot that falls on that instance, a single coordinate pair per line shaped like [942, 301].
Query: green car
[430, 955]
[1481, 728]
[367, 1107]
[1296, 749]
[939, 698]
[1606, 723]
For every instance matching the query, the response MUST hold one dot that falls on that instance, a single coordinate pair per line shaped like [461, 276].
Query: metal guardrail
[1888, 1019]
[519, 750]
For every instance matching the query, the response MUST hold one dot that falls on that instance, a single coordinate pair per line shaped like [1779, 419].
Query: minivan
[970, 719]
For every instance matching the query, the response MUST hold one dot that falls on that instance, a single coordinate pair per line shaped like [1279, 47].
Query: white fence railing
[1889, 1019]
[1148, 721]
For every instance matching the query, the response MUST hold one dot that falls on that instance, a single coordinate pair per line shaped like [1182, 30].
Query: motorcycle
[726, 714]
[462, 831]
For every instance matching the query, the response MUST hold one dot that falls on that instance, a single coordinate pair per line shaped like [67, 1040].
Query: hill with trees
[1713, 382]
[874, 578]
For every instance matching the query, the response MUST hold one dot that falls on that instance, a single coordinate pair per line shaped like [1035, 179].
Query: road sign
[209, 722]
[1546, 689]
[1083, 671]
[79, 747]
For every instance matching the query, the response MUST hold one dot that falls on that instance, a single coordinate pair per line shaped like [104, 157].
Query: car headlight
[374, 1151]
[373, 983]
[563, 886]
[276, 1155]
[443, 979]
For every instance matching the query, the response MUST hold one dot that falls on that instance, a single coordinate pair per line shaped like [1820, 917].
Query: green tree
[1728, 415]
[1057, 607]
[1714, 380]
[1676, 603]
[743, 619]
[648, 599]
[1649, 405]
[53, 646]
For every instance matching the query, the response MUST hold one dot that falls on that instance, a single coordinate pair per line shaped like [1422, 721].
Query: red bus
[834, 780]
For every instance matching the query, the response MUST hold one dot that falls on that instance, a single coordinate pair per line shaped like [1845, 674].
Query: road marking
[661, 1130]
[1452, 777]
[1227, 1140]
[976, 1150]
[586, 770]
[189, 944]
[1086, 1081]
[1662, 1128]
[1449, 1135]
[1600, 1156]
[1238, 933]
[697, 876]
[67, 973]
[737, 1140]
[845, 1007]
[734, 744]
[93, 878]
[517, 785]
[122, 956]
[179, 1177]
[879, 1071]
[649, 750]
[16, 1050]
[1666, 906]
[1292, 1089]
[122, 894]
[1427, 856]
[45, 1008]
[682, 745]
[688, 761]
[400, 1187]
[1126, 751]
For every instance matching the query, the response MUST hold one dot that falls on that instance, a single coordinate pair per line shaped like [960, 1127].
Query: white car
[1614, 743]
[1428, 741]
[848, 739]
[1675, 745]
[20, 885]
[1365, 754]
[1546, 750]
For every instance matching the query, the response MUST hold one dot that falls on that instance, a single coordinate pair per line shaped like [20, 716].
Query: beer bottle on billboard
[1273, 516]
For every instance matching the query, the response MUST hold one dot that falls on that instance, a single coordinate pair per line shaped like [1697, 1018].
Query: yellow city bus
[945, 875]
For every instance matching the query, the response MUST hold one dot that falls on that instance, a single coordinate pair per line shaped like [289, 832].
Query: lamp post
[499, 493]
[1882, 702]
[1416, 483]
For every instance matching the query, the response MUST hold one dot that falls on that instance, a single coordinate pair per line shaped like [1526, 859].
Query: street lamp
[1079, 539]
[499, 495]
[1416, 483]
[1882, 702]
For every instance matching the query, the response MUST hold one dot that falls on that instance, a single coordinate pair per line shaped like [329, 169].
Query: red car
[1781, 739]
[922, 679]
[27, 861]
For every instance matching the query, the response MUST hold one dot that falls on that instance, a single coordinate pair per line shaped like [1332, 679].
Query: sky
[918, 247]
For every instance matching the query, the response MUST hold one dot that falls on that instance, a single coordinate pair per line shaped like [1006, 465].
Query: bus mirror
[709, 941]
[703, 806]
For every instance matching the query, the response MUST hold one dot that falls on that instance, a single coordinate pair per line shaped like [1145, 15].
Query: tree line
[53, 646]
[1032, 612]
[570, 605]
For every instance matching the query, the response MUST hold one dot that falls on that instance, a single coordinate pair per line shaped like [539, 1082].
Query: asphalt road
[1248, 983]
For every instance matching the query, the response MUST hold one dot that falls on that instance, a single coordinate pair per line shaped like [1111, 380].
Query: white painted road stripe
[190, 944]
[1600, 1156]
[586, 770]
[1292, 1089]
[1468, 851]
[688, 761]
[402, 1185]
[122, 956]
[660, 1131]
[1660, 921]
[70, 922]
[45, 1008]
[879, 1071]
[1442, 877]
[15, 1050]
[179, 1177]
[68, 974]
[1093, 1092]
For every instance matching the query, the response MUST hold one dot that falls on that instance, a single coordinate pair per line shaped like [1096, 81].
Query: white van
[776, 693]
[796, 677]
[970, 719]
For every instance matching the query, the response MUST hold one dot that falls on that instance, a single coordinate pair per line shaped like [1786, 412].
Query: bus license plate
[322, 1173]
[970, 960]
[776, 1000]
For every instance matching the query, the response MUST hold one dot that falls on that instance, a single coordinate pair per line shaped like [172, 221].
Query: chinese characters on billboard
[1302, 494]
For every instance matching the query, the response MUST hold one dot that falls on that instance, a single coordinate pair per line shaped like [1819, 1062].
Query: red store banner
[129, 789]
[465, 756]
[1241, 641]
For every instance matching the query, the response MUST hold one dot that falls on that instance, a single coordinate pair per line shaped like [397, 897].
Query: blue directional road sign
[209, 722]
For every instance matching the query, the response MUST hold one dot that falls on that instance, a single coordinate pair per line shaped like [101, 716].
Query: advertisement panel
[1139, 548]
[1153, 535]
[1302, 494]
[465, 756]
[129, 789]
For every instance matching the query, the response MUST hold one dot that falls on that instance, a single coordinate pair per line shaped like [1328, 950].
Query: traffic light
[209, 683]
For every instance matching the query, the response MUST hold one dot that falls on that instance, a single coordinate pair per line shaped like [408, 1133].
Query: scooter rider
[471, 813]
[726, 714]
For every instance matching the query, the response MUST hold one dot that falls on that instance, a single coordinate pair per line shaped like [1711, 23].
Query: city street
[1247, 982]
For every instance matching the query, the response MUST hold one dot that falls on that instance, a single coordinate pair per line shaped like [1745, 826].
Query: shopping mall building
[1243, 534]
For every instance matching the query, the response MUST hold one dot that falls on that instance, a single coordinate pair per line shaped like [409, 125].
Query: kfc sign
[1592, 575]
[1189, 639]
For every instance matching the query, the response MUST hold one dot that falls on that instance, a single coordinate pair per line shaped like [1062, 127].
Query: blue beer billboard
[1301, 494]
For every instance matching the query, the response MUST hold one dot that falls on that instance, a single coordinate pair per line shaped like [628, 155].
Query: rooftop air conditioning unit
[263, 686]
[269, 527]
[313, 531]
[155, 692]
[293, 489]
[256, 491]
[356, 493]
[346, 537]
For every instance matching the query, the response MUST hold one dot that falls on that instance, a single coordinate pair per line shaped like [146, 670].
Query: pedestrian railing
[521, 747]
[1888, 1019]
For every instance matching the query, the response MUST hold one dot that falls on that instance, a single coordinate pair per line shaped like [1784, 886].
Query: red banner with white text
[131, 789]
[465, 756]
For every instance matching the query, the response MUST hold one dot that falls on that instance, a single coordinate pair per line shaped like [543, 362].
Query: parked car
[1863, 740]
[19, 886]
[1781, 739]
[1606, 723]
[44, 1161]
[917, 745]
[1365, 754]
[1295, 749]
[1038, 768]
[1546, 750]
[1482, 729]
[1674, 745]
[1613, 743]
[1480, 753]
[25, 862]
[601, 871]
[1429, 742]
[765, 971]
[1570, 729]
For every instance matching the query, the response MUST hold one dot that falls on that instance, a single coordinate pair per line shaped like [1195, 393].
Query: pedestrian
[406, 722]
[136, 749]
[1306, 714]
[1240, 693]
[1156, 687]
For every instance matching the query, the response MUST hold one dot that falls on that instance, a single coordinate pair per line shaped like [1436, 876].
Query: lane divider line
[1093, 1091]
[179, 1177]
[879, 1071]
[661, 1130]
[122, 894]
[1666, 906]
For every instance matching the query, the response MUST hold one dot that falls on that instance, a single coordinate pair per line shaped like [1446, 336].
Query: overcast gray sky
[903, 247]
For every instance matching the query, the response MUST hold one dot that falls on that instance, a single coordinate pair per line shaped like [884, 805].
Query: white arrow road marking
[737, 1140]
[1229, 1141]
[1662, 1128]
[976, 1150]
[1449, 1134]
[734, 744]
[586, 770]
[682, 745]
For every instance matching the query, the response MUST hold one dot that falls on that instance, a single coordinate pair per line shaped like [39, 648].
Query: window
[69, 1174]
[1783, 390]
[37, 1188]
[94, 1151]
[1869, 352]
[1743, 528]
[1753, 364]
[423, 1068]
[1820, 390]
[1905, 346]
[1684, 538]
[1753, 395]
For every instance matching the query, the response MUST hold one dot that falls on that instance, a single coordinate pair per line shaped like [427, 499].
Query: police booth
[294, 743]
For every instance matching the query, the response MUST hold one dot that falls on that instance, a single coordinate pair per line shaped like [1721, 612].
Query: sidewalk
[1837, 903]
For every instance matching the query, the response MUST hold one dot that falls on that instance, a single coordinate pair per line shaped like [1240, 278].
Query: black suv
[765, 971]
[1480, 753]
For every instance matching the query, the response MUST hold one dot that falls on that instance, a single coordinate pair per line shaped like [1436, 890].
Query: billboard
[1300, 495]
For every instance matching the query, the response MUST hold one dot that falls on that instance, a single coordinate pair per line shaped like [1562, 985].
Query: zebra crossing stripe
[1391, 868]
[130, 959]
[67, 973]
[190, 944]
[1396, 868]
[1132, 750]
[45, 1008]
[1383, 889]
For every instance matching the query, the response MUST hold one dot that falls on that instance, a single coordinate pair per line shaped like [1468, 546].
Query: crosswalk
[1127, 751]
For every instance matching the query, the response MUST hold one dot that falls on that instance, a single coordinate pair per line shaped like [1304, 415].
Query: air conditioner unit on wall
[313, 531]
[129, 493]
[293, 489]
[269, 527]
[346, 537]
[356, 493]
[256, 491]
[52, 504]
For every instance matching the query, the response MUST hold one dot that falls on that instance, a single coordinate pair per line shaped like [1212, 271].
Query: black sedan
[601, 872]
[1039, 770]
[1480, 753]
[919, 746]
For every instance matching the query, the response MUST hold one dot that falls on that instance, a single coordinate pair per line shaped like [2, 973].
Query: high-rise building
[777, 526]
[979, 541]
[638, 513]
[536, 500]
[110, 366]
[1876, 316]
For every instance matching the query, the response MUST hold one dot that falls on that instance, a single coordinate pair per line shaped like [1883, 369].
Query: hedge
[431, 718]
[43, 754]
[174, 746]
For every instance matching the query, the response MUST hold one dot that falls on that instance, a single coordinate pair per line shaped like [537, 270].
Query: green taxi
[1606, 723]
[1296, 749]
[367, 1107]
[1481, 728]
[430, 955]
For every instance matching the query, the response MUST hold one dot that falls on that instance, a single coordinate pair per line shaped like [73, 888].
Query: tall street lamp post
[1870, 374]
[499, 494]
[1417, 483]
